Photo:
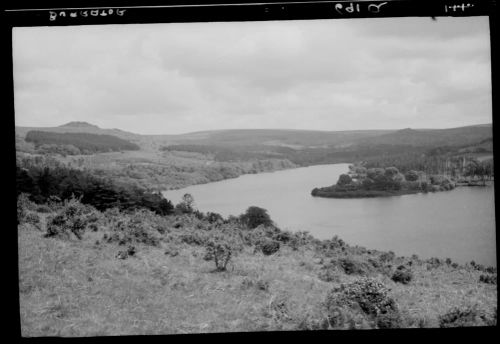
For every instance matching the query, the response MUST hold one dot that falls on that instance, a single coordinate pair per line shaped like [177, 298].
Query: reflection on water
[459, 224]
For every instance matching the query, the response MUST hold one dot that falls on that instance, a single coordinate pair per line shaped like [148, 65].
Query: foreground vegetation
[85, 272]
[102, 252]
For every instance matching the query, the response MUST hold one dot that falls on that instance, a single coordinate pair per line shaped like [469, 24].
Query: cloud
[321, 74]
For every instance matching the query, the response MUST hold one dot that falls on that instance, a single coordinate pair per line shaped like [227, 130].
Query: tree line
[45, 184]
[78, 143]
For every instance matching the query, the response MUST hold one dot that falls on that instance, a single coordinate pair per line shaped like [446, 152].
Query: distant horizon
[250, 129]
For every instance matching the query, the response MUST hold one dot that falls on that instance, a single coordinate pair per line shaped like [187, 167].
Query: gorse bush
[269, 246]
[193, 238]
[284, 237]
[389, 320]
[138, 226]
[23, 206]
[434, 263]
[258, 235]
[488, 279]
[387, 257]
[72, 218]
[463, 317]
[367, 296]
[403, 276]
[332, 246]
[33, 219]
[353, 266]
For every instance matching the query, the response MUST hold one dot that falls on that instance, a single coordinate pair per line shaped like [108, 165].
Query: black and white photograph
[254, 176]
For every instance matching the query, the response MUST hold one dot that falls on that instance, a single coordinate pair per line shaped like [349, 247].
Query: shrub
[129, 252]
[70, 219]
[375, 263]
[220, 248]
[279, 307]
[389, 320]
[301, 238]
[32, 218]
[311, 321]
[387, 257]
[489, 279]
[193, 238]
[55, 203]
[433, 263]
[334, 244]
[369, 294]
[352, 266]
[258, 235]
[283, 236]
[23, 205]
[143, 233]
[269, 246]
[492, 320]
[403, 276]
[329, 274]
[491, 270]
[347, 318]
[365, 295]
[462, 317]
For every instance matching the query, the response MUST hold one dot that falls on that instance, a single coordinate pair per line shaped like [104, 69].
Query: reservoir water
[459, 224]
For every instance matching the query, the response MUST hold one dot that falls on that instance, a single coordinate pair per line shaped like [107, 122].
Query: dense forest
[455, 162]
[77, 143]
[46, 184]
[300, 156]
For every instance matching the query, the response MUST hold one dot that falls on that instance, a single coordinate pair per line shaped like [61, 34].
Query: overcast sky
[326, 75]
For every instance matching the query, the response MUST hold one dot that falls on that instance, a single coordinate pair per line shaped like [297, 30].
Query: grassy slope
[79, 288]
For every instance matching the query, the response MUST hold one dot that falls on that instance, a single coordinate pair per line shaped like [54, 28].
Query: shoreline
[251, 173]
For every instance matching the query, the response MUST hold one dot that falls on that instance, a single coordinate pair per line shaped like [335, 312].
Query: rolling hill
[461, 136]
[297, 139]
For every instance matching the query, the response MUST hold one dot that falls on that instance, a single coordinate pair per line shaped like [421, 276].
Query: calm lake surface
[459, 224]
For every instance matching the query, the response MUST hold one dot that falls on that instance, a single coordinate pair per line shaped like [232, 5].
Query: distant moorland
[165, 162]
